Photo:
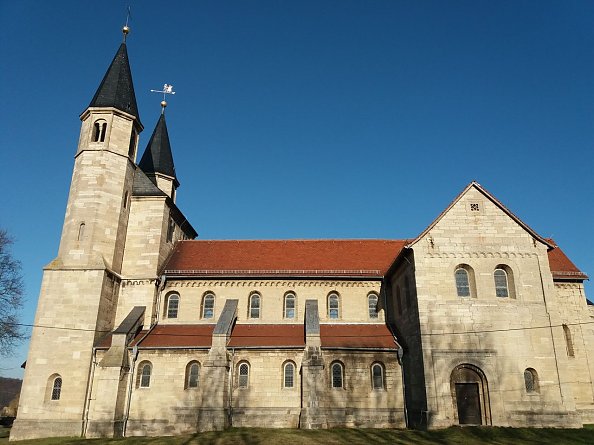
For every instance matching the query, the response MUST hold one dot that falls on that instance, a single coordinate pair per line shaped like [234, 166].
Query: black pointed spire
[116, 89]
[157, 157]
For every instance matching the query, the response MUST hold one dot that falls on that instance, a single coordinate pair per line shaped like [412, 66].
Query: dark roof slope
[157, 157]
[561, 267]
[143, 186]
[347, 258]
[116, 89]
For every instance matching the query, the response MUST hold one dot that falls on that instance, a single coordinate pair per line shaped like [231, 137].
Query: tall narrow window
[145, 375]
[244, 375]
[407, 292]
[501, 285]
[81, 231]
[290, 305]
[132, 146]
[372, 305]
[255, 305]
[398, 300]
[99, 130]
[377, 376]
[57, 388]
[531, 380]
[333, 306]
[208, 302]
[172, 306]
[126, 200]
[289, 375]
[170, 230]
[568, 341]
[336, 375]
[462, 282]
[192, 375]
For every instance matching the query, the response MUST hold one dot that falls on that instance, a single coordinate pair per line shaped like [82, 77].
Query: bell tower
[80, 287]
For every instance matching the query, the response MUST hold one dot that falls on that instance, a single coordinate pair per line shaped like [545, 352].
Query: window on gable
[192, 375]
[208, 302]
[377, 376]
[244, 375]
[372, 305]
[568, 341]
[531, 380]
[255, 305]
[289, 375]
[333, 306]
[144, 378]
[290, 305]
[57, 388]
[462, 282]
[172, 305]
[501, 284]
[99, 130]
[336, 375]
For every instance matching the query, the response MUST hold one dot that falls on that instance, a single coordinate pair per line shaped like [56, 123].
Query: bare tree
[11, 296]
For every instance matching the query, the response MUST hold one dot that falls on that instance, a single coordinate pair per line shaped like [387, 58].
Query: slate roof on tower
[157, 157]
[116, 89]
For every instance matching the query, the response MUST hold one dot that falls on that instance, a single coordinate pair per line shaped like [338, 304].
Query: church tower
[80, 287]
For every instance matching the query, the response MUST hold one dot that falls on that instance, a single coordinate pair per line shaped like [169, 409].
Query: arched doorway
[470, 394]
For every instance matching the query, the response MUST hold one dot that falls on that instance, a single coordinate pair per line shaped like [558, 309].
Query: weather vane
[167, 89]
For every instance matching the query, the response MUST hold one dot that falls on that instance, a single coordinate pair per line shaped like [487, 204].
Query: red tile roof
[357, 336]
[264, 335]
[359, 258]
[561, 267]
[179, 336]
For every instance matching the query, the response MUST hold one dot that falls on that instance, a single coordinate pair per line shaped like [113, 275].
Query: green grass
[339, 436]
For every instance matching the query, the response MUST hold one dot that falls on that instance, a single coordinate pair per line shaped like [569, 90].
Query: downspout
[230, 388]
[131, 380]
[161, 281]
[89, 394]
[399, 356]
[550, 327]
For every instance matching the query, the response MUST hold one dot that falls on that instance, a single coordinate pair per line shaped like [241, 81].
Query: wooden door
[469, 403]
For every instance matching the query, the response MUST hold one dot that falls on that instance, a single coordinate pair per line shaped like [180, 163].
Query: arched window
[290, 305]
[501, 283]
[172, 305]
[462, 282]
[99, 129]
[144, 374]
[333, 305]
[192, 375]
[372, 304]
[531, 380]
[243, 373]
[337, 375]
[377, 376]
[57, 388]
[81, 231]
[568, 341]
[289, 375]
[255, 305]
[208, 302]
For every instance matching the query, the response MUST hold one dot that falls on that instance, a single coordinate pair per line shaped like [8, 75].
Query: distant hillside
[9, 388]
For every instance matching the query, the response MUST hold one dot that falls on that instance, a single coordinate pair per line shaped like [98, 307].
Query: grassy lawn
[254, 436]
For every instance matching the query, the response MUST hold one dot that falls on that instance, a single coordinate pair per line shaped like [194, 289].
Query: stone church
[143, 330]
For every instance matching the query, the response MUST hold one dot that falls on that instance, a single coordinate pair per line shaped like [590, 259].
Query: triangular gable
[495, 201]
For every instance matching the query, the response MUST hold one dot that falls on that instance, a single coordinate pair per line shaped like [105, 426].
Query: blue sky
[311, 119]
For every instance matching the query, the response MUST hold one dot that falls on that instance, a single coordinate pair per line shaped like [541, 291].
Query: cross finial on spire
[167, 89]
